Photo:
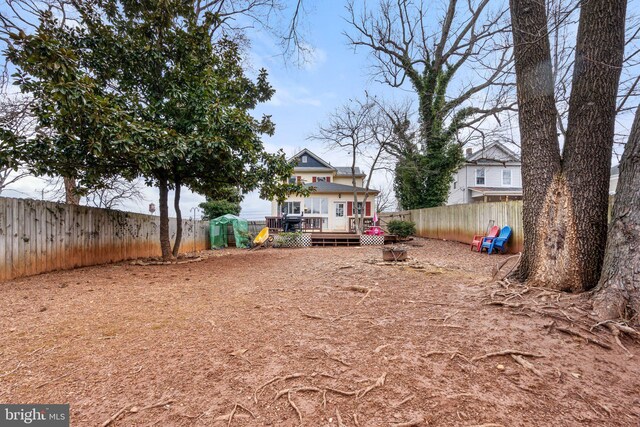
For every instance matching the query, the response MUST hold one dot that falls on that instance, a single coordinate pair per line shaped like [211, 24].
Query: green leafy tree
[215, 208]
[141, 89]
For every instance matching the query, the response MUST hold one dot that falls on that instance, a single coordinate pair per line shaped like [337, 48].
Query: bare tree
[360, 129]
[409, 48]
[562, 22]
[459, 66]
[385, 200]
[111, 194]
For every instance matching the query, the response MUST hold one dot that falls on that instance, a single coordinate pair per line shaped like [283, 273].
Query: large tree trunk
[590, 132]
[541, 160]
[165, 241]
[565, 197]
[618, 292]
[176, 205]
[71, 196]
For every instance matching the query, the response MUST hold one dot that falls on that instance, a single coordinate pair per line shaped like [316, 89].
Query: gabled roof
[495, 151]
[346, 171]
[308, 153]
[332, 187]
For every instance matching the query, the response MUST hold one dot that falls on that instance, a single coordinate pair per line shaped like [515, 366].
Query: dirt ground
[287, 337]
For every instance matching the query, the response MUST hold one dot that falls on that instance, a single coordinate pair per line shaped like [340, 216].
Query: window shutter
[298, 178]
[314, 179]
[349, 208]
[328, 179]
[368, 209]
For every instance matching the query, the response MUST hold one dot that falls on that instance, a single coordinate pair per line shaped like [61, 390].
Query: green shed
[219, 226]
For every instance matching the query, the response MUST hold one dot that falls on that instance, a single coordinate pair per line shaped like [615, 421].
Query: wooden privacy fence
[38, 236]
[461, 222]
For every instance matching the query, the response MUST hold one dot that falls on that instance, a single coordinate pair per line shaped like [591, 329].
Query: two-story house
[330, 207]
[490, 174]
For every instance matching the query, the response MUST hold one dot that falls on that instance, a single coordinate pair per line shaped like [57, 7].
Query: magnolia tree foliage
[141, 89]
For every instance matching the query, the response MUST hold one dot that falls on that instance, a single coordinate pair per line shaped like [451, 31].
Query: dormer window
[304, 159]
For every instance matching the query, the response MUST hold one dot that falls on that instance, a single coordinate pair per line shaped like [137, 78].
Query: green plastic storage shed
[218, 231]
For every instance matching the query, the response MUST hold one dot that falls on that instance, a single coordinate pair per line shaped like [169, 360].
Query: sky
[305, 96]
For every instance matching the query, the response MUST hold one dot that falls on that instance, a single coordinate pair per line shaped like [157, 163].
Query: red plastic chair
[477, 239]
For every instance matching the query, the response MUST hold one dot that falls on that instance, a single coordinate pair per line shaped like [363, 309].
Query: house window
[506, 177]
[291, 208]
[359, 209]
[322, 179]
[480, 176]
[316, 205]
[293, 180]
[455, 183]
[304, 159]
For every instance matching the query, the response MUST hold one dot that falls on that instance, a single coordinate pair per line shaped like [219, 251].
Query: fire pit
[394, 253]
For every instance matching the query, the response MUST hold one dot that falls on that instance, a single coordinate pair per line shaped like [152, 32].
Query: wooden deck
[335, 239]
[343, 239]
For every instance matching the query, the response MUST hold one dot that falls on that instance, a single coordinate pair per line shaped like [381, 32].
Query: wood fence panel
[461, 222]
[38, 236]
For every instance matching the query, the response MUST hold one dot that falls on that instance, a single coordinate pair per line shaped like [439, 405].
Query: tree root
[379, 383]
[365, 295]
[620, 327]
[271, 381]
[229, 417]
[403, 401]
[336, 358]
[568, 331]
[312, 316]
[526, 364]
[113, 417]
[342, 392]
[157, 405]
[293, 405]
[506, 353]
[318, 317]
[339, 419]
[616, 336]
[295, 389]
[452, 353]
[289, 391]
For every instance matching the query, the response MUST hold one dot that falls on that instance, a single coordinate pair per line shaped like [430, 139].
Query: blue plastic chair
[491, 243]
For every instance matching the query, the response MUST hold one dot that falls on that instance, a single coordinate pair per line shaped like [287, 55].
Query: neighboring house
[491, 174]
[330, 206]
[613, 179]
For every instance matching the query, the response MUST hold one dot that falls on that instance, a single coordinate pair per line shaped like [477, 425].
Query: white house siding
[466, 177]
[331, 199]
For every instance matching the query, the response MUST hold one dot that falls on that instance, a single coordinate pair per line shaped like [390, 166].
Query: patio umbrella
[375, 218]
